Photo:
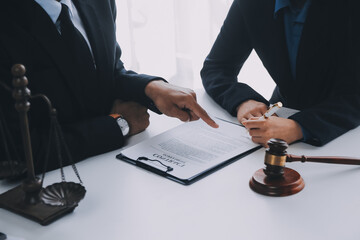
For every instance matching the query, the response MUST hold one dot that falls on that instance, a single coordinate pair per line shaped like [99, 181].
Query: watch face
[124, 126]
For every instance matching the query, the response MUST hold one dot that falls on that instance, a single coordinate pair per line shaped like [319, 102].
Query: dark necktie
[75, 40]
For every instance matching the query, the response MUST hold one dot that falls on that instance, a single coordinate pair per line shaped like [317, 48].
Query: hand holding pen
[271, 111]
[267, 126]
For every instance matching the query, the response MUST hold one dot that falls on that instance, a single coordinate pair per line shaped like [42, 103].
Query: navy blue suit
[28, 36]
[327, 84]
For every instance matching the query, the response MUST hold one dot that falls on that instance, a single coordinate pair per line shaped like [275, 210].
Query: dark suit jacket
[326, 88]
[28, 36]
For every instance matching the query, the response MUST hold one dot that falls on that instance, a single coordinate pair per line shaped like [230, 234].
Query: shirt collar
[53, 8]
[280, 4]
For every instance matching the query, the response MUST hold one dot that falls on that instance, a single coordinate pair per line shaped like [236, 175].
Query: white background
[171, 38]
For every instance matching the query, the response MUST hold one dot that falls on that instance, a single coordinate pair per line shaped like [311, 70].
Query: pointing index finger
[201, 113]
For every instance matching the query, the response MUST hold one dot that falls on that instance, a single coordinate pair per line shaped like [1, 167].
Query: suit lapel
[282, 62]
[46, 33]
[96, 37]
[314, 38]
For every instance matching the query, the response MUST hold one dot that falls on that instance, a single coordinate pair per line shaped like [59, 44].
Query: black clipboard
[192, 179]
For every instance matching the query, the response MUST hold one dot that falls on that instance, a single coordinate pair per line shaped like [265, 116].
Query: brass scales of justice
[30, 199]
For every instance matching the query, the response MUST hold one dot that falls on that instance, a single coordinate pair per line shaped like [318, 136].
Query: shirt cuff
[306, 134]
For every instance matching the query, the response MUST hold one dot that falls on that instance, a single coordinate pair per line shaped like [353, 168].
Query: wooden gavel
[276, 179]
[276, 157]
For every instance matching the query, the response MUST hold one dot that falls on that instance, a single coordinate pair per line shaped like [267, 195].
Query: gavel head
[275, 158]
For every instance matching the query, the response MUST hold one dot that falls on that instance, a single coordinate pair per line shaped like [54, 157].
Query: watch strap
[122, 123]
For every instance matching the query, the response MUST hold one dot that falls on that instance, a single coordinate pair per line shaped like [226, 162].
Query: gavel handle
[335, 160]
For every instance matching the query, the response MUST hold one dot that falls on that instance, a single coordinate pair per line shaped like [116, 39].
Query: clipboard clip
[168, 168]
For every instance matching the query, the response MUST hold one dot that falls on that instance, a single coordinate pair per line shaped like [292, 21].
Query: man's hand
[177, 102]
[249, 109]
[135, 114]
[273, 127]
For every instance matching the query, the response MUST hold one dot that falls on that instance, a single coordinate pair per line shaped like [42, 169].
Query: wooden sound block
[288, 184]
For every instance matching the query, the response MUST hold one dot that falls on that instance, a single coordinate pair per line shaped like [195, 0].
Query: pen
[272, 110]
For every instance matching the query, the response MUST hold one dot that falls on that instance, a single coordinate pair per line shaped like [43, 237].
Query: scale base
[13, 200]
[290, 183]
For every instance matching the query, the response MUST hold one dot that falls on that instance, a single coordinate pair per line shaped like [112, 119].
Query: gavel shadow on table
[276, 179]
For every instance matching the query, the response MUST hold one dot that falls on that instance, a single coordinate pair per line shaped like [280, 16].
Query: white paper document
[192, 148]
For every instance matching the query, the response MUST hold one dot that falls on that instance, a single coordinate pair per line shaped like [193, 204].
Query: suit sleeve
[340, 111]
[222, 66]
[84, 139]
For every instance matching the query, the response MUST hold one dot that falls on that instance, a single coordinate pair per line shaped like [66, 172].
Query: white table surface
[125, 202]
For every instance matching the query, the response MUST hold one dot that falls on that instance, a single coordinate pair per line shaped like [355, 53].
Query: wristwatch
[123, 124]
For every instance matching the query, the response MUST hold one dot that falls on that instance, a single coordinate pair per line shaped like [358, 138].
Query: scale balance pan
[63, 194]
